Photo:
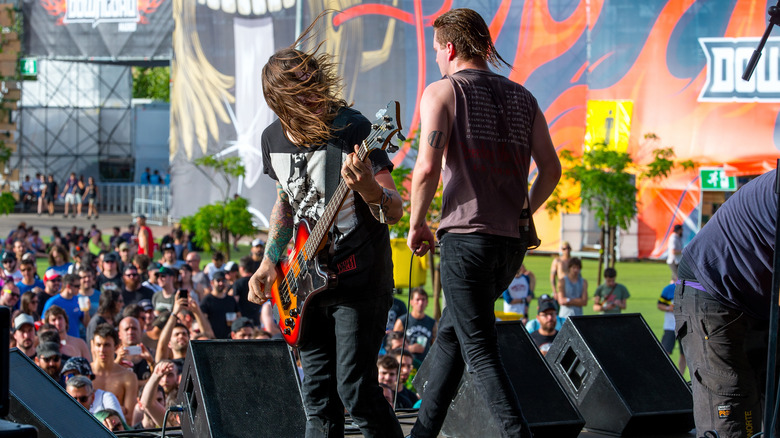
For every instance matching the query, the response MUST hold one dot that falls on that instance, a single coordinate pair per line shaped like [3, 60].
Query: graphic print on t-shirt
[302, 176]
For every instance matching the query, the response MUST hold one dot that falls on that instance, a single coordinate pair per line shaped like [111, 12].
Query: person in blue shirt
[67, 299]
[29, 282]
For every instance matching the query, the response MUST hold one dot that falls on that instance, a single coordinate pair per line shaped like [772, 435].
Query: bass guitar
[302, 275]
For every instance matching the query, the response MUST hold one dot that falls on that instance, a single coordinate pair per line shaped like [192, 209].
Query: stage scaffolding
[76, 117]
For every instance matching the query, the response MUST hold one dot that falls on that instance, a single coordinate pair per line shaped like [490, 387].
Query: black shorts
[667, 341]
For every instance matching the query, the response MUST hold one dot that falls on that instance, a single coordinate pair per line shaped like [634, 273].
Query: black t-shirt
[246, 307]
[117, 281]
[134, 296]
[215, 309]
[361, 249]
[540, 339]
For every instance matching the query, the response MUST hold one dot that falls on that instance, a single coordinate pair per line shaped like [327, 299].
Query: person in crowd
[572, 293]
[132, 352]
[420, 328]
[24, 334]
[397, 309]
[165, 373]
[94, 400]
[110, 375]
[519, 293]
[220, 308]
[112, 420]
[547, 316]
[145, 238]
[41, 193]
[154, 178]
[533, 325]
[185, 281]
[486, 223]
[404, 358]
[29, 305]
[152, 275]
[199, 278]
[179, 243]
[108, 309]
[92, 194]
[49, 359]
[151, 336]
[217, 264]
[52, 283]
[242, 328]
[95, 243]
[666, 305]
[110, 273]
[77, 253]
[70, 345]
[133, 291]
[163, 300]
[129, 235]
[59, 259]
[69, 192]
[175, 337]
[169, 259]
[145, 176]
[387, 371]
[395, 340]
[50, 194]
[68, 301]
[560, 265]
[256, 252]
[611, 296]
[87, 288]
[146, 314]
[241, 290]
[80, 188]
[267, 321]
[10, 295]
[36, 244]
[674, 250]
[125, 255]
[9, 267]
[231, 275]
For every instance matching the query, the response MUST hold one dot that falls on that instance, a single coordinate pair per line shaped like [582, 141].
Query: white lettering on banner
[727, 59]
[98, 11]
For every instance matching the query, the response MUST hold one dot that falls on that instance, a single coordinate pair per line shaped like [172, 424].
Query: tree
[214, 224]
[606, 181]
[152, 83]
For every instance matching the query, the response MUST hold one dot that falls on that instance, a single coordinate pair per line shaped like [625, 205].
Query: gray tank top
[572, 290]
[488, 156]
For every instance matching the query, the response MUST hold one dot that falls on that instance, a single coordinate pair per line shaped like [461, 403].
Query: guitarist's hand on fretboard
[261, 281]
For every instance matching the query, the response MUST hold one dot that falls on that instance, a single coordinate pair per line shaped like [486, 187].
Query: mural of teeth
[248, 7]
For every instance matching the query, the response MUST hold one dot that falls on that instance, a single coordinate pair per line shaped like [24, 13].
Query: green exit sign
[715, 179]
[28, 66]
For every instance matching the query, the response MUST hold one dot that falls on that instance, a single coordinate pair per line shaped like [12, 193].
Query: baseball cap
[50, 275]
[78, 365]
[141, 216]
[166, 271]
[22, 319]
[242, 322]
[146, 305]
[219, 275]
[258, 242]
[231, 267]
[168, 247]
[48, 349]
[9, 256]
[545, 305]
[111, 257]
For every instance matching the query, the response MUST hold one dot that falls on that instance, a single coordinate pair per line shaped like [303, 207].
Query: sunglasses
[55, 358]
[9, 261]
[82, 398]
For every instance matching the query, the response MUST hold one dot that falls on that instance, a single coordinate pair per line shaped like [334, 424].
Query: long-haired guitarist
[343, 326]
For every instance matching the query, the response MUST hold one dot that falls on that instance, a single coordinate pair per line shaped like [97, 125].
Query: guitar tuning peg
[391, 148]
[400, 136]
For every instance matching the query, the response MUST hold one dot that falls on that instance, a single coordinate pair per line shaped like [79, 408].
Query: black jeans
[475, 270]
[339, 369]
[726, 352]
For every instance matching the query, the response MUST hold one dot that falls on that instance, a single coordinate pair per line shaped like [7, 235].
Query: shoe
[65, 216]
[97, 216]
[73, 216]
[89, 217]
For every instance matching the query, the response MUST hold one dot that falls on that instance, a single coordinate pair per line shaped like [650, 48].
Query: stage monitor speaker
[545, 404]
[37, 400]
[5, 322]
[620, 377]
[241, 388]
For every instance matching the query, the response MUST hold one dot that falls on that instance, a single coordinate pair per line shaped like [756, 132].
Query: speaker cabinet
[241, 388]
[622, 380]
[545, 404]
[5, 322]
[37, 400]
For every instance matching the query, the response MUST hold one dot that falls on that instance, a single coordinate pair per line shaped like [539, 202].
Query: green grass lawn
[644, 280]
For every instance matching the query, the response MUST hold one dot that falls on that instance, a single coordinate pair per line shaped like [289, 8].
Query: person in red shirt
[145, 238]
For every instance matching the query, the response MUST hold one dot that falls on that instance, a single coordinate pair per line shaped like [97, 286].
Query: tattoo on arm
[379, 210]
[281, 230]
[436, 139]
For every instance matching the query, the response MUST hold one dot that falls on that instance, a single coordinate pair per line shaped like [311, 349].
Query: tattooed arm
[279, 236]
[436, 113]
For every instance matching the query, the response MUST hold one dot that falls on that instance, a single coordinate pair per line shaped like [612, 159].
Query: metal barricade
[153, 201]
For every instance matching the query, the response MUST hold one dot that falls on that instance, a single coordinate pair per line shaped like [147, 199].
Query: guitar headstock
[386, 125]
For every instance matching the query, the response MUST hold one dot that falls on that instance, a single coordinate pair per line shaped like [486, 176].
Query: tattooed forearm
[436, 139]
[281, 230]
[384, 209]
